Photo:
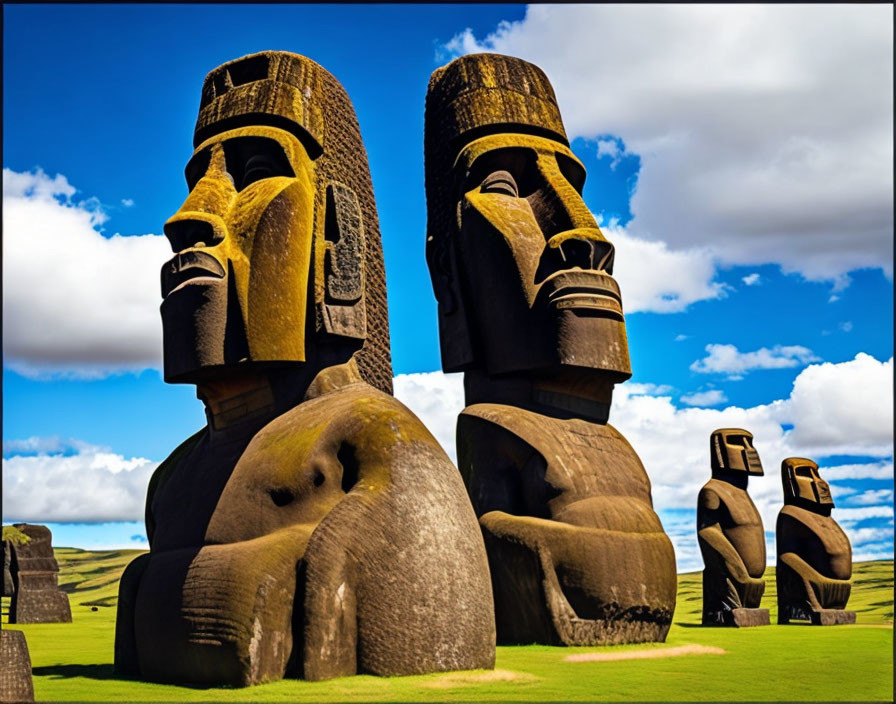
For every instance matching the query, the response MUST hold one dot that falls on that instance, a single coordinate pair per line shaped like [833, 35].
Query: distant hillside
[91, 579]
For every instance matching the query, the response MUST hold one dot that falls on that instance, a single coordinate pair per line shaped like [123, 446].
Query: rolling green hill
[73, 662]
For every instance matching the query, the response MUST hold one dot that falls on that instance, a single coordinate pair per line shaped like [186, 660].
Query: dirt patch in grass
[463, 679]
[646, 654]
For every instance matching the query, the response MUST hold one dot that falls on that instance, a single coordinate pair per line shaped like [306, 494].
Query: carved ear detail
[344, 310]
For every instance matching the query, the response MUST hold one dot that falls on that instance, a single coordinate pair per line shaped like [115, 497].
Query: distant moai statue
[314, 528]
[16, 683]
[36, 597]
[814, 555]
[530, 312]
[8, 584]
[730, 534]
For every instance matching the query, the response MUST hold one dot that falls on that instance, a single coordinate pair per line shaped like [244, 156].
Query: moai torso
[814, 554]
[529, 310]
[36, 595]
[314, 528]
[731, 535]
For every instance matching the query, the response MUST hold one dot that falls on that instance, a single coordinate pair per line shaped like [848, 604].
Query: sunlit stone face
[237, 289]
[802, 481]
[536, 269]
[732, 450]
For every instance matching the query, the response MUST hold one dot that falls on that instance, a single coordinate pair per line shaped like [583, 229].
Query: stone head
[732, 453]
[277, 247]
[803, 485]
[520, 269]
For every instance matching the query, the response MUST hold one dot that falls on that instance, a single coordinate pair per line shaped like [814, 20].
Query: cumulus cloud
[75, 303]
[871, 497]
[93, 485]
[751, 279]
[713, 397]
[673, 442]
[654, 278]
[727, 359]
[765, 131]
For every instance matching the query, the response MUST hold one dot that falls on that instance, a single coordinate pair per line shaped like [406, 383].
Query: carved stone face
[801, 480]
[237, 289]
[536, 270]
[731, 450]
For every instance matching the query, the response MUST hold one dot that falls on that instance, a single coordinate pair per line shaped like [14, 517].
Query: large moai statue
[530, 312]
[730, 534]
[36, 597]
[314, 528]
[814, 555]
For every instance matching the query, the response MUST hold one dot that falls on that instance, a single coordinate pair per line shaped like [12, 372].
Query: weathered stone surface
[730, 534]
[314, 528]
[530, 311]
[36, 597]
[814, 554]
[15, 668]
[738, 618]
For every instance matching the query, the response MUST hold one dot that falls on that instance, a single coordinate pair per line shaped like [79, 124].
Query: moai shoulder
[314, 528]
[530, 312]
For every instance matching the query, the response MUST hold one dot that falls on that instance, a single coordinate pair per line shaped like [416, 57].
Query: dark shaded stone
[36, 596]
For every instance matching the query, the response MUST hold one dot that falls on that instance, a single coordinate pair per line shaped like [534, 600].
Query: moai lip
[530, 312]
[314, 528]
[730, 534]
[814, 564]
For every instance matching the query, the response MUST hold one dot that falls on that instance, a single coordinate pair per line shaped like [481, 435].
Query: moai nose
[587, 253]
[191, 232]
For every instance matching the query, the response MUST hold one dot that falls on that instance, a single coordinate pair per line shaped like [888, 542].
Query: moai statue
[730, 534]
[36, 597]
[314, 528]
[814, 555]
[530, 312]
[16, 684]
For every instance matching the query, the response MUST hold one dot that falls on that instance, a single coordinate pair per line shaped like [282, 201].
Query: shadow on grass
[101, 672]
[93, 672]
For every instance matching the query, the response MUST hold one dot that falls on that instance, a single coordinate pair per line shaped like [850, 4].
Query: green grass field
[73, 662]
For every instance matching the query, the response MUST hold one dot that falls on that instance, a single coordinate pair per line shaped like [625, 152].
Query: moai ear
[344, 311]
[454, 330]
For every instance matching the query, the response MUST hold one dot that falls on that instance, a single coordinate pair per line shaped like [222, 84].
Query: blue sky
[751, 211]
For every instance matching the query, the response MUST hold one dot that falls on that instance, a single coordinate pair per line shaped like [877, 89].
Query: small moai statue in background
[36, 595]
[730, 534]
[530, 312]
[814, 555]
[16, 683]
[314, 528]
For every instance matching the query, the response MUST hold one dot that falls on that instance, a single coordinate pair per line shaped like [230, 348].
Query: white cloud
[727, 359]
[845, 326]
[127, 202]
[871, 470]
[845, 408]
[635, 389]
[871, 497]
[91, 486]
[681, 337]
[765, 132]
[654, 278]
[75, 303]
[751, 279]
[673, 443]
[713, 397]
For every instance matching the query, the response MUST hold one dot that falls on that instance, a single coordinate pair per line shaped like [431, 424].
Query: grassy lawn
[73, 662]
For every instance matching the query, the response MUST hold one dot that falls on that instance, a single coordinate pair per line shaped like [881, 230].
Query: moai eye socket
[803, 472]
[197, 167]
[572, 171]
[251, 159]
